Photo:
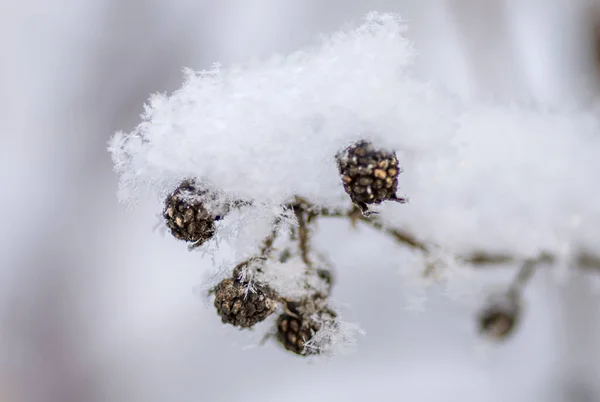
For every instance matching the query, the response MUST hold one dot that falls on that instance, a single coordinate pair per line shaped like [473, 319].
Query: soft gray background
[95, 306]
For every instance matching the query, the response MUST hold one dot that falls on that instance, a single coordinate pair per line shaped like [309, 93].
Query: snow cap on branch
[266, 131]
[478, 176]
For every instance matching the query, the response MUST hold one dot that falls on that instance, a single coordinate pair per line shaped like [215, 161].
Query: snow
[501, 178]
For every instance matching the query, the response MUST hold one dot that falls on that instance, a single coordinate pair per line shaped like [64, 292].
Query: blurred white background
[96, 306]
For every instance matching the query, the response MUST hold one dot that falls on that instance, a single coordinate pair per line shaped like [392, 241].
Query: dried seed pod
[241, 305]
[297, 326]
[293, 332]
[499, 318]
[188, 214]
[369, 175]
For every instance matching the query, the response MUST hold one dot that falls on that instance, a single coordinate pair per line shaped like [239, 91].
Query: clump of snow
[291, 279]
[269, 130]
[515, 180]
[335, 336]
[478, 176]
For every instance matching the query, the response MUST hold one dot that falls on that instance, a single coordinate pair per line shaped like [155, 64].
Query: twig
[267, 243]
[303, 235]
[520, 280]
[264, 251]
[478, 258]
[587, 261]
[525, 273]
[355, 215]
[399, 235]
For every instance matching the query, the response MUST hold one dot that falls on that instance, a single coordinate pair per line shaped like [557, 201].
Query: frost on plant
[250, 158]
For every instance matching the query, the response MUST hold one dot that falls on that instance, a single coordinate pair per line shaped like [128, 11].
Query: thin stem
[264, 252]
[478, 258]
[267, 243]
[306, 214]
[526, 272]
[399, 235]
[303, 236]
[356, 215]
[588, 261]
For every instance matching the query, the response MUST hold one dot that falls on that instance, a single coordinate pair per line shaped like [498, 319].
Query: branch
[478, 258]
[267, 243]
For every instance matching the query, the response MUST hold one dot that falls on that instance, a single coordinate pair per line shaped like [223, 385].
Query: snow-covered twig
[341, 120]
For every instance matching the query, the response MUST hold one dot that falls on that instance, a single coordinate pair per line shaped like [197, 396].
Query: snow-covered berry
[293, 332]
[241, 304]
[188, 215]
[302, 320]
[369, 174]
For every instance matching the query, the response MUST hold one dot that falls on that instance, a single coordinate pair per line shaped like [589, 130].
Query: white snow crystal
[335, 336]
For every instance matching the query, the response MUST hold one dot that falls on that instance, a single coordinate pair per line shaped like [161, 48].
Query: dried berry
[297, 326]
[293, 332]
[369, 175]
[188, 214]
[242, 305]
[500, 317]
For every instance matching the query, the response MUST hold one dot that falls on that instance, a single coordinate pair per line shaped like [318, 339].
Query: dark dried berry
[293, 332]
[297, 326]
[369, 175]
[241, 306]
[499, 318]
[188, 216]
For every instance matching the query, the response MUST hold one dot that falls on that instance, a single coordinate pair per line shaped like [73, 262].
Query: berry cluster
[369, 176]
[244, 300]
